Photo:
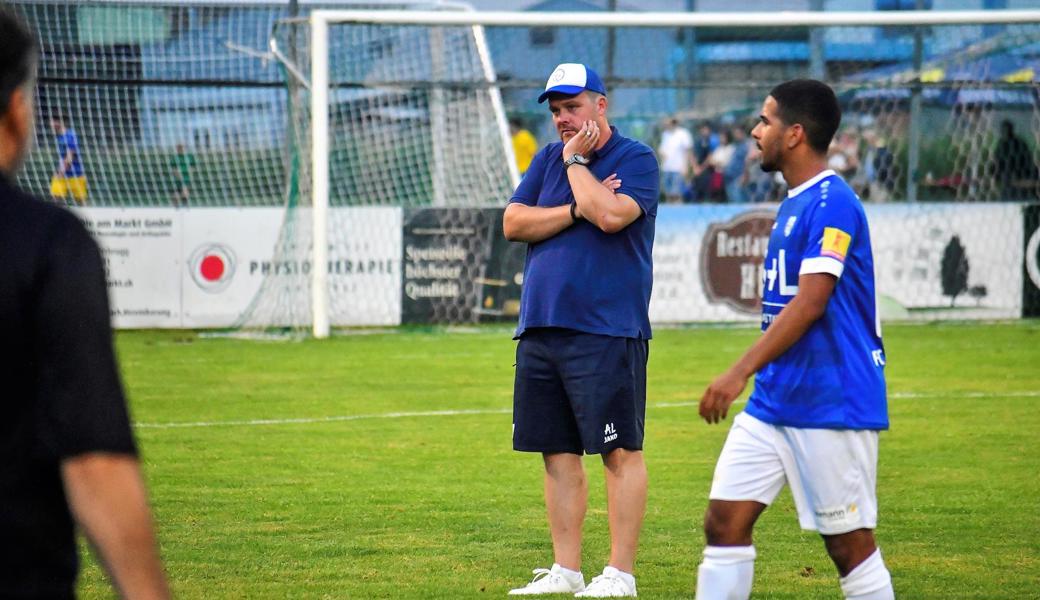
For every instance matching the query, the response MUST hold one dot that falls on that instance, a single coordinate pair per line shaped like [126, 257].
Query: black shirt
[61, 394]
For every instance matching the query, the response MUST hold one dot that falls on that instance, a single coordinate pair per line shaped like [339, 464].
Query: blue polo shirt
[833, 377]
[582, 278]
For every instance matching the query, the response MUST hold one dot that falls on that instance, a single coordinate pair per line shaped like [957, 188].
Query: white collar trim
[810, 183]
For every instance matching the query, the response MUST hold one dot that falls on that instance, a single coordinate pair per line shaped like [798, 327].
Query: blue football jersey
[69, 142]
[833, 376]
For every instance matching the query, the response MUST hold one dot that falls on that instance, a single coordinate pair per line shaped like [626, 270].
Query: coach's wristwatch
[575, 159]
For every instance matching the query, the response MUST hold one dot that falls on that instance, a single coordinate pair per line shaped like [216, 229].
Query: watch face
[576, 159]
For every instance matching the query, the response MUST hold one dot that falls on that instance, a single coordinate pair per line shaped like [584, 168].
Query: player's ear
[601, 106]
[795, 135]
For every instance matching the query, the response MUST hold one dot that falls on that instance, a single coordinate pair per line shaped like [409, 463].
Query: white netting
[413, 122]
[931, 113]
[135, 80]
[171, 104]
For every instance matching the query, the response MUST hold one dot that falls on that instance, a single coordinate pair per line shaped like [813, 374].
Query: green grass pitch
[379, 466]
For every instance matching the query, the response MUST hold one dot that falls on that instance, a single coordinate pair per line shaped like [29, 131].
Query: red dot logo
[212, 267]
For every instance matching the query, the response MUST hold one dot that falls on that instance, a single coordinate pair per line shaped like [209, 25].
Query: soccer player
[181, 165]
[586, 209]
[67, 454]
[819, 398]
[68, 179]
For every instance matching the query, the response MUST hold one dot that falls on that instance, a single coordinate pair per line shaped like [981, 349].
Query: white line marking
[393, 415]
[505, 411]
[912, 395]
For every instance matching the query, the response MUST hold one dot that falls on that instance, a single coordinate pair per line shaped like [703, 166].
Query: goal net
[395, 120]
[930, 103]
[398, 196]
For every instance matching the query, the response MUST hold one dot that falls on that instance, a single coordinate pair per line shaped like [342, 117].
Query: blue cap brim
[566, 90]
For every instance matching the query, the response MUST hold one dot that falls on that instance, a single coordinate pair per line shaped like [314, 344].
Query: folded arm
[522, 223]
[598, 204]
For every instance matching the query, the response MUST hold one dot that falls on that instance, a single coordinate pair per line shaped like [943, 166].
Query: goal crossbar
[679, 19]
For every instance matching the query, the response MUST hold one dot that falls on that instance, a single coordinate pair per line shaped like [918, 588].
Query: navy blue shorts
[578, 392]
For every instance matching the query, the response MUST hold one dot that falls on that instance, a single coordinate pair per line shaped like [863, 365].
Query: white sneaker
[550, 581]
[609, 585]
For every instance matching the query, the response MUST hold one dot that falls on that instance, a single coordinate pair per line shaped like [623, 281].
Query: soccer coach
[586, 209]
[66, 450]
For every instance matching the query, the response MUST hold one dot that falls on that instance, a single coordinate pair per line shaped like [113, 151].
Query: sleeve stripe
[822, 264]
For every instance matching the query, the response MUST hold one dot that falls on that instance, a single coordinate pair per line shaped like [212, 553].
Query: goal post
[320, 21]
[320, 171]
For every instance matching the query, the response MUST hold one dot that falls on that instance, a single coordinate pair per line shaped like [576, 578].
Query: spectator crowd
[721, 163]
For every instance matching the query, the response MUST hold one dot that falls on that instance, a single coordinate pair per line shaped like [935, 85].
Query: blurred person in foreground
[819, 402]
[587, 210]
[67, 454]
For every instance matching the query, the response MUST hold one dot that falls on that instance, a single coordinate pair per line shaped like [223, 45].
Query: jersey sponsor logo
[609, 433]
[212, 267]
[732, 258]
[778, 267]
[835, 243]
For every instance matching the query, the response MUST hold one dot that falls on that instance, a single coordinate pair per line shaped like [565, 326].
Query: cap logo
[570, 79]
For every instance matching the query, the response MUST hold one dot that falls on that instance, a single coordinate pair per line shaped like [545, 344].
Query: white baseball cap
[571, 79]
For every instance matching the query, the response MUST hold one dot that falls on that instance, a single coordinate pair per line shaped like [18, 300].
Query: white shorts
[832, 472]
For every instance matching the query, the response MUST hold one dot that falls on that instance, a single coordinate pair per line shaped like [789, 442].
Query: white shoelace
[607, 583]
[548, 581]
[546, 578]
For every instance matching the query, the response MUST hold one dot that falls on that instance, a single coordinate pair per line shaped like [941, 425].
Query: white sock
[569, 575]
[870, 580]
[726, 573]
[628, 578]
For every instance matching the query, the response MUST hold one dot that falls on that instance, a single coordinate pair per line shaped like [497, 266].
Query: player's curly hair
[811, 104]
